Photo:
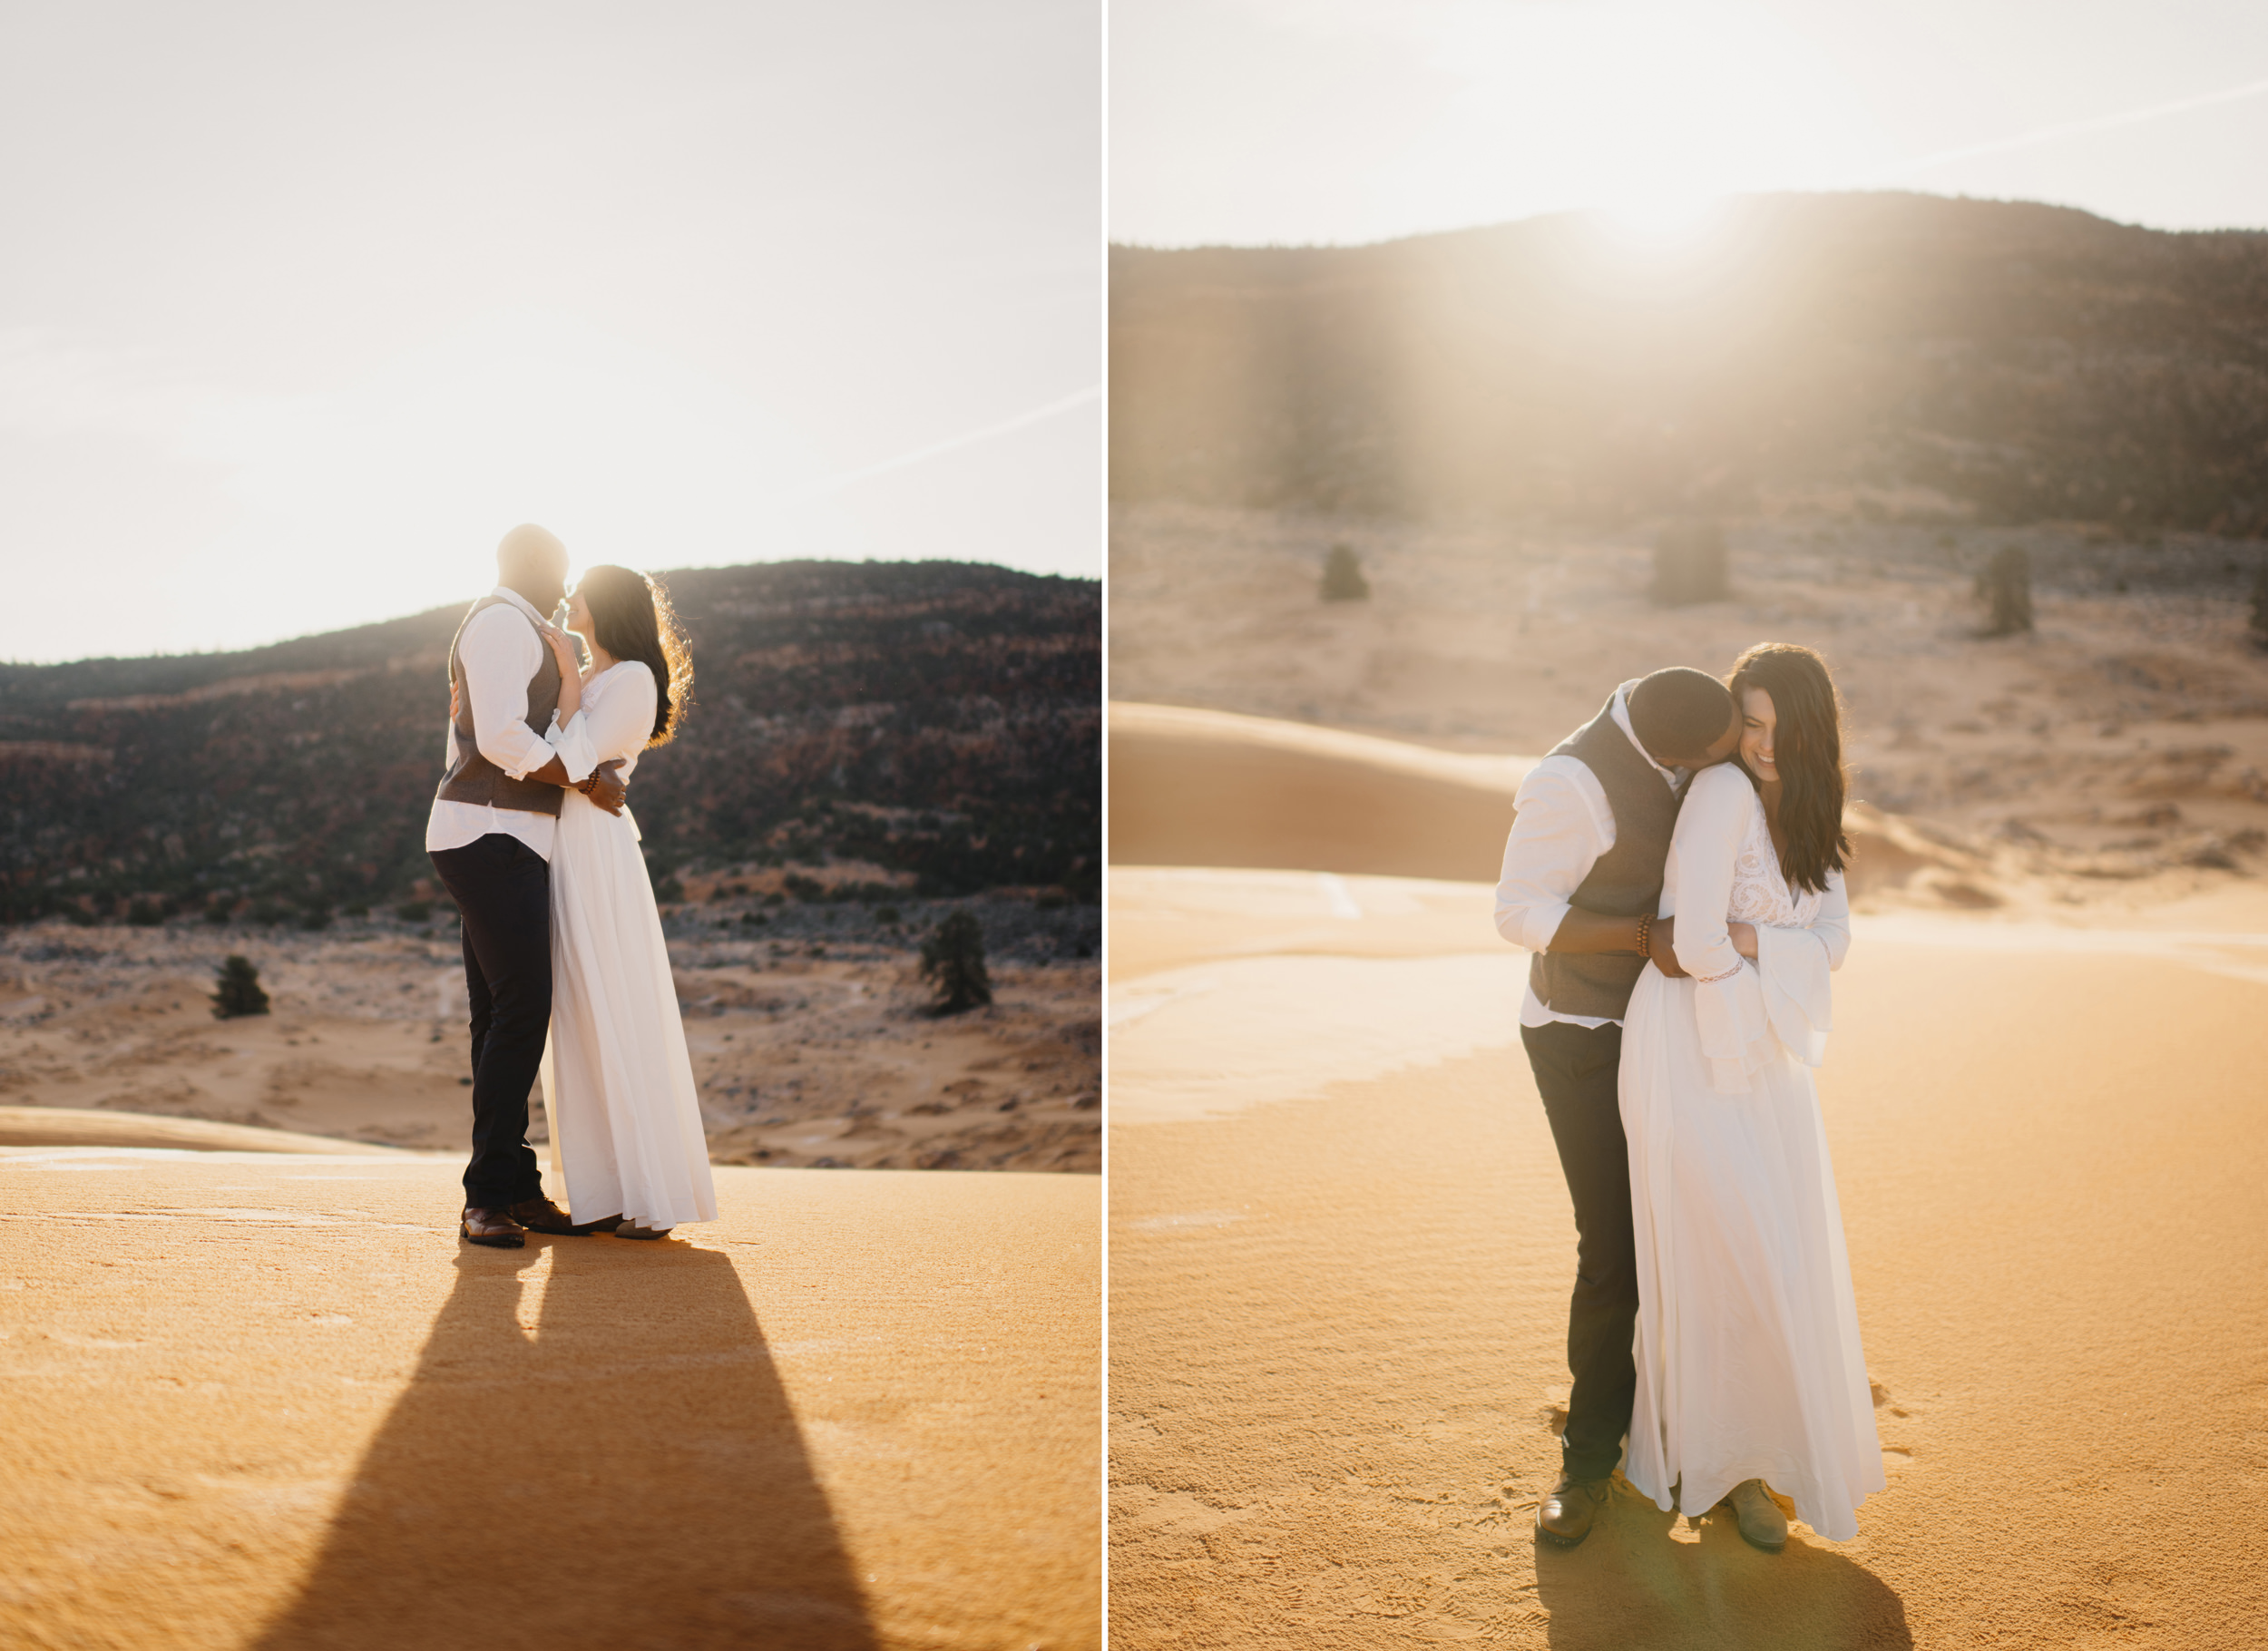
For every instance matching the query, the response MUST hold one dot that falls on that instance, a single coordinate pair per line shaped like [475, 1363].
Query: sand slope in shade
[1199, 787]
[84, 1127]
[270, 1400]
[1339, 1298]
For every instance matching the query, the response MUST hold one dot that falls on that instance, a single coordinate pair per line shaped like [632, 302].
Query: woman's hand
[562, 646]
[1743, 939]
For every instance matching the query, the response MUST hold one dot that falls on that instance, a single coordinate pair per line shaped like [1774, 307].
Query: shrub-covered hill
[1864, 356]
[937, 718]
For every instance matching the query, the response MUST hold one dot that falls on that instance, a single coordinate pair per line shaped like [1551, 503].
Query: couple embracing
[1677, 868]
[562, 941]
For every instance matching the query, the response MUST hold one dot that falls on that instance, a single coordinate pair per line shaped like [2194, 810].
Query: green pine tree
[238, 992]
[953, 957]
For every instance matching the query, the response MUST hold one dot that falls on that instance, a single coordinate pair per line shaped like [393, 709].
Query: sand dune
[262, 1399]
[1198, 787]
[77, 1127]
[1342, 1246]
[1342, 1249]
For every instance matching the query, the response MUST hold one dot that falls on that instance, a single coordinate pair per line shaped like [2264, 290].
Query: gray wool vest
[1625, 881]
[472, 778]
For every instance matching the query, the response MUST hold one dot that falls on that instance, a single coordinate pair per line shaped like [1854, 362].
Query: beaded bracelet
[1708, 979]
[1645, 934]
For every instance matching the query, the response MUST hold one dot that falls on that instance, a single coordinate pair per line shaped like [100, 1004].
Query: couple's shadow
[612, 1464]
[1631, 1586]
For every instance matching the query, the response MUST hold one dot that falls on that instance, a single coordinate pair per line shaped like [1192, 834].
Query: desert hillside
[930, 725]
[2113, 757]
[872, 748]
[1890, 356]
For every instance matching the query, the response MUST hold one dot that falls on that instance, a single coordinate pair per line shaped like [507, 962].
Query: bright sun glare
[1647, 112]
[1661, 220]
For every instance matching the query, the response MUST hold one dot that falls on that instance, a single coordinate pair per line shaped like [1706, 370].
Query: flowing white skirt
[1748, 1358]
[618, 1083]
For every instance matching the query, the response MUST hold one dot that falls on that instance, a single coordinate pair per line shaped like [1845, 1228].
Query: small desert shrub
[2005, 588]
[315, 917]
[145, 913]
[886, 914]
[237, 990]
[669, 891]
[1690, 565]
[954, 959]
[2259, 628]
[413, 910]
[1342, 579]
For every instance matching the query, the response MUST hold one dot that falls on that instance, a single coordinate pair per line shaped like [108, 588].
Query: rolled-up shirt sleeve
[573, 746]
[1556, 837]
[500, 652]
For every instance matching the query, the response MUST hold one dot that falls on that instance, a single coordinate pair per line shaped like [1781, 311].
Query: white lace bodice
[1760, 890]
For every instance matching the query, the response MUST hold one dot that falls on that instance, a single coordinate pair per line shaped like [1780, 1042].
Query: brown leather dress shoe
[543, 1216]
[1570, 1509]
[493, 1227]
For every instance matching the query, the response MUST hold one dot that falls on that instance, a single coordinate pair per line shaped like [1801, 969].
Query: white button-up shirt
[500, 656]
[1562, 825]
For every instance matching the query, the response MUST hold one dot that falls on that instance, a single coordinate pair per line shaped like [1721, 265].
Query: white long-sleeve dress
[618, 1082]
[1749, 1364]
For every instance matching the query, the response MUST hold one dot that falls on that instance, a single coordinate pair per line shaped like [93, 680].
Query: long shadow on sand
[627, 1472]
[1631, 1586]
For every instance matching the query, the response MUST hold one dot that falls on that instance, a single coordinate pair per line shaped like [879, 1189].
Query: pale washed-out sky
[1293, 122]
[301, 307]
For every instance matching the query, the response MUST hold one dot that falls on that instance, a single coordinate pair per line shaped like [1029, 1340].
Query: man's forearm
[1581, 930]
[605, 787]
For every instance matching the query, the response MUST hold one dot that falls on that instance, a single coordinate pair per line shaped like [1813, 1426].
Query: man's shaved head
[530, 548]
[1682, 715]
[532, 561]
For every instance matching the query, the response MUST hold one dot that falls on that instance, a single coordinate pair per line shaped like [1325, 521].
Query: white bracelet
[1706, 979]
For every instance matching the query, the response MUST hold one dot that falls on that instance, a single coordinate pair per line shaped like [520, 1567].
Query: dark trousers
[1575, 1068]
[504, 888]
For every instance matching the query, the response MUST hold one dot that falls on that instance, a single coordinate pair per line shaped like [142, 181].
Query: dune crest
[1198, 787]
[80, 1127]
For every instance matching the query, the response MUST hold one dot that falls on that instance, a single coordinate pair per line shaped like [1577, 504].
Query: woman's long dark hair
[632, 619]
[1807, 750]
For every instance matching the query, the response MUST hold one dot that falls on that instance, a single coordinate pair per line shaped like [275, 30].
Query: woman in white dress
[1751, 1379]
[618, 1084]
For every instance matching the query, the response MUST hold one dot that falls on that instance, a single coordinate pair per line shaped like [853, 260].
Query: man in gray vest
[490, 837]
[1582, 882]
